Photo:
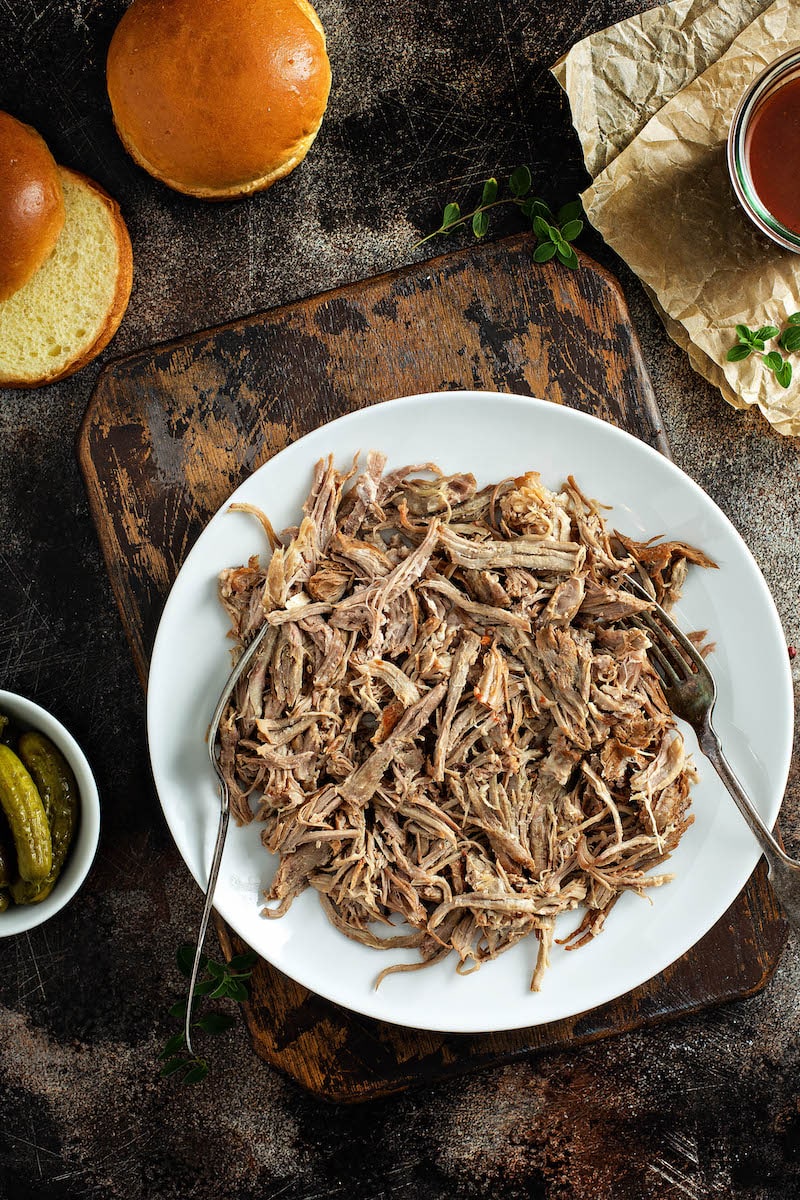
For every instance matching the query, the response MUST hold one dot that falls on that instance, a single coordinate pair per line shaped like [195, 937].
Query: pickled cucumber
[23, 892]
[8, 866]
[26, 817]
[55, 781]
[8, 731]
[8, 862]
[3, 901]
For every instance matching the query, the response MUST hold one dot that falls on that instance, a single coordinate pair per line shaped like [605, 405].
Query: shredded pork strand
[453, 719]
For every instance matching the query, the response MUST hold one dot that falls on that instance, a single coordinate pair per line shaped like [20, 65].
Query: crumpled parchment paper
[619, 78]
[664, 201]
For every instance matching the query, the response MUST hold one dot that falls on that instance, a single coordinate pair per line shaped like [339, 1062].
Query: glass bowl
[771, 80]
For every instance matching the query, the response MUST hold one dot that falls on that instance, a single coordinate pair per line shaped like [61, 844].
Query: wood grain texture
[170, 432]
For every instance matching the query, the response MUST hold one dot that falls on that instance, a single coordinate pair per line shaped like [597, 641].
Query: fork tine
[691, 651]
[669, 675]
[680, 637]
[667, 648]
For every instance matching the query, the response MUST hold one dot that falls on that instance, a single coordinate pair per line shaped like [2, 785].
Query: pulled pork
[452, 718]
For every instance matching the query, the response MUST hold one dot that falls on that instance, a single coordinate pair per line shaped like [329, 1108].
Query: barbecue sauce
[774, 154]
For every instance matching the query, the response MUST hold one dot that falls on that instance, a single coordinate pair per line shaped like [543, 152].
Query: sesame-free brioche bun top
[69, 310]
[218, 98]
[31, 204]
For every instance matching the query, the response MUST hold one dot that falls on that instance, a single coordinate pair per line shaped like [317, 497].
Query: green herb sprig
[554, 232]
[781, 369]
[749, 341]
[753, 341]
[790, 338]
[216, 981]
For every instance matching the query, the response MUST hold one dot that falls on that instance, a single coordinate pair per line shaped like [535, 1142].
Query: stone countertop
[428, 99]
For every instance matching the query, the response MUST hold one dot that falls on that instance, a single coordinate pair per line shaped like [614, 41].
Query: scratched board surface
[172, 431]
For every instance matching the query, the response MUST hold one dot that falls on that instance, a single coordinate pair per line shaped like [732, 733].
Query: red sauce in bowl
[774, 154]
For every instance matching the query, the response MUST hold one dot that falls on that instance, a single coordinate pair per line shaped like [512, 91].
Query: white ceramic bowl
[19, 917]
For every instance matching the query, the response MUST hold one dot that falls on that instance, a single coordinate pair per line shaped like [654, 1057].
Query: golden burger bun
[218, 98]
[31, 204]
[69, 310]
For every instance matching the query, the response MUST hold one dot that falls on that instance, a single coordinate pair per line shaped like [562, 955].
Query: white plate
[493, 436]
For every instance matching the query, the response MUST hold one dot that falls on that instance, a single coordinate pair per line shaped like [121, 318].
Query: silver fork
[224, 815]
[691, 693]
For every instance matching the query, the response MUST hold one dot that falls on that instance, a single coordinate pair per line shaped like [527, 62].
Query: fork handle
[219, 846]
[784, 871]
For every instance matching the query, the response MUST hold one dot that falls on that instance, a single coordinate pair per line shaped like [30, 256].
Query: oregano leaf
[571, 230]
[783, 374]
[237, 990]
[541, 208]
[480, 224]
[544, 252]
[185, 959]
[173, 1045]
[243, 962]
[175, 1064]
[489, 194]
[215, 1022]
[570, 212]
[541, 228]
[196, 1072]
[790, 339]
[452, 213]
[737, 353]
[205, 987]
[520, 181]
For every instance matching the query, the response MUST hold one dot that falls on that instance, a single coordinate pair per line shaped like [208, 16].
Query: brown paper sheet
[665, 204]
[619, 78]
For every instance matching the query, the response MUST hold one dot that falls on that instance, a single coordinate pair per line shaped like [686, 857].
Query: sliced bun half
[71, 308]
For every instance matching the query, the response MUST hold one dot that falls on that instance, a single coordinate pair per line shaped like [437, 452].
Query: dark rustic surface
[427, 99]
[170, 433]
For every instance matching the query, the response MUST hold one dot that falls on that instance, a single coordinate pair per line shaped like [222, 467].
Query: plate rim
[569, 413]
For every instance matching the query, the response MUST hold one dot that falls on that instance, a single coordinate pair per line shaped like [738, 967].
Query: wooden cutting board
[170, 432]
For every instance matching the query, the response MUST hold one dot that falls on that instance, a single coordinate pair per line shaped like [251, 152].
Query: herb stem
[554, 232]
[462, 220]
[219, 980]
